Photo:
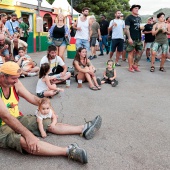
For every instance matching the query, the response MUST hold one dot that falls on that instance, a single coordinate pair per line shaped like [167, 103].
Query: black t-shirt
[149, 37]
[134, 23]
[58, 32]
[104, 27]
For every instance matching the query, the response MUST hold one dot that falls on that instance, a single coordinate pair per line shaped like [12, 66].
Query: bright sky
[150, 6]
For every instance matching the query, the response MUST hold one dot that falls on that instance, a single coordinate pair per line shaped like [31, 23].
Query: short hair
[160, 14]
[85, 8]
[103, 16]
[13, 15]
[20, 18]
[117, 11]
[44, 100]
[21, 48]
[52, 48]
[92, 16]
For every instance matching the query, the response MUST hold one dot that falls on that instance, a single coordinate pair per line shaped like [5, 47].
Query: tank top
[161, 37]
[41, 86]
[58, 32]
[109, 73]
[11, 103]
[84, 33]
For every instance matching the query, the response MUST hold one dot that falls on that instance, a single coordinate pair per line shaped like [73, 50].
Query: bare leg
[61, 52]
[88, 77]
[118, 54]
[163, 60]
[35, 69]
[130, 58]
[81, 76]
[153, 58]
[111, 54]
[65, 129]
[46, 149]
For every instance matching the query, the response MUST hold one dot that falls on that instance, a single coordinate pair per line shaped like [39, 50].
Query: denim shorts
[5, 53]
[82, 43]
[63, 43]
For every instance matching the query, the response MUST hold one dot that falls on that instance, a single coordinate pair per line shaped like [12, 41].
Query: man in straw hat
[15, 128]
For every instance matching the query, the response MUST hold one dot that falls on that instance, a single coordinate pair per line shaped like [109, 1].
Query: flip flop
[93, 88]
[98, 87]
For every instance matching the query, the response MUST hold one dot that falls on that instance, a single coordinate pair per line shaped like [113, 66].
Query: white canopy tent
[64, 5]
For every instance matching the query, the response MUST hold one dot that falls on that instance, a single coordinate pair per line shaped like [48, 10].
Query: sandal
[152, 69]
[98, 87]
[93, 88]
[162, 69]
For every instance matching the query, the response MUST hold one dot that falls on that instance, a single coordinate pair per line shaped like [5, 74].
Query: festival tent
[64, 5]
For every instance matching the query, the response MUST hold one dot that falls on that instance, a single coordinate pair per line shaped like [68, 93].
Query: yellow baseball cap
[10, 68]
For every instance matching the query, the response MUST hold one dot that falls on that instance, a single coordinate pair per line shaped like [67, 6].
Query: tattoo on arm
[127, 31]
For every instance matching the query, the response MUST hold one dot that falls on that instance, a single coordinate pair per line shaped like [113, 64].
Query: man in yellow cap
[19, 136]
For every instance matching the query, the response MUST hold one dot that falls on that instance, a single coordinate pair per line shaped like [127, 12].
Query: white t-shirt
[54, 62]
[117, 31]
[40, 116]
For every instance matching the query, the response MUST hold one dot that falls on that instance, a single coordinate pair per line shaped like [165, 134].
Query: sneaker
[131, 70]
[94, 56]
[76, 153]
[22, 76]
[156, 59]
[91, 127]
[107, 51]
[91, 57]
[117, 64]
[32, 74]
[100, 55]
[99, 81]
[136, 68]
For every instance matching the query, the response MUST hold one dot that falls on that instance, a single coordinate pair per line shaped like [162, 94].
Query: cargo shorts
[10, 139]
[137, 45]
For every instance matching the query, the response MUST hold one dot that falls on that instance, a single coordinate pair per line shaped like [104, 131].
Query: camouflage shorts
[11, 139]
[137, 45]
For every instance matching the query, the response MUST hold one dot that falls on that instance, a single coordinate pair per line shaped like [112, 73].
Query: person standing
[160, 30]
[168, 22]
[117, 27]
[134, 42]
[24, 28]
[149, 38]
[12, 25]
[104, 24]
[82, 27]
[94, 34]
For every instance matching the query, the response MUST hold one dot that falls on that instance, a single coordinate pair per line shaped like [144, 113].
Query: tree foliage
[97, 7]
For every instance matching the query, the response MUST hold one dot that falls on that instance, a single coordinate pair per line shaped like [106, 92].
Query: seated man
[5, 47]
[15, 128]
[57, 67]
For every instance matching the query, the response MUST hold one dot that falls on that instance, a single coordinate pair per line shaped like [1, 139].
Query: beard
[85, 15]
[118, 17]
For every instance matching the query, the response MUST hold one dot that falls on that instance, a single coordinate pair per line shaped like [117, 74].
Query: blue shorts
[63, 43]
[83, 43]
[5, 53]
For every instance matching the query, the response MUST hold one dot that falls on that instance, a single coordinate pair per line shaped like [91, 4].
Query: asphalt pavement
[135, 132]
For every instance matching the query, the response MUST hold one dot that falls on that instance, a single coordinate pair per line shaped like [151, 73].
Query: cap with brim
[10, 68]
[134, 6]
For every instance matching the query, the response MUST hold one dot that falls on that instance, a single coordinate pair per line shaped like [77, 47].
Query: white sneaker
[32, 74]
[22, 76]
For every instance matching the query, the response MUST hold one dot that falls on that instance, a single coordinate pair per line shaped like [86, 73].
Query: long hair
[77, 57]
[44, 70]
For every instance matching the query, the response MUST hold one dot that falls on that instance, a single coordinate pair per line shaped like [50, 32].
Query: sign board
[39, 24]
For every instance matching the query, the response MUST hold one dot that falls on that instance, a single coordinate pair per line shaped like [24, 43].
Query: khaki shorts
[11, 139]
[137, 45]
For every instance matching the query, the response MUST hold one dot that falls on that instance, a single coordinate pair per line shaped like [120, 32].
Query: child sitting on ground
[44, 87]
[110, 74]
[45, 111]
[28, 67]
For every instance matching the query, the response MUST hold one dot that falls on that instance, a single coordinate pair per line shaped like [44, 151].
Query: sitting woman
[16, 43]
[84, 70]
[28, 67]
[60, 34]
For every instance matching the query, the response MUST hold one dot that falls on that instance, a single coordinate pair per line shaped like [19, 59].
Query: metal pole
[39, 37]
[72, 8]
